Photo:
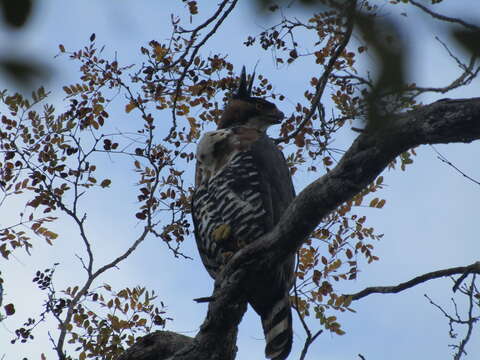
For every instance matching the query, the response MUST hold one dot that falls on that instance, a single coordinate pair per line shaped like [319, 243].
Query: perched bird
[242, 187]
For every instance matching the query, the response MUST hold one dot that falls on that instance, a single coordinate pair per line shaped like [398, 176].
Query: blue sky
[429, 222]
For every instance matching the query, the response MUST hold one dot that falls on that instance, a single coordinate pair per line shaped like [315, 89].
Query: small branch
[455, 319]
[444, 18]
[86, 287]
[460, 64]
[310, 338]
[194, 53]
[471, 320]
[175, 251]
[322, 82]
[471, 269]
[308, 341]
[459, 281]
[295, 291]
[370, 153]
[469, 73]
[195, 31]
[204, 299]
[446, 161]
[361, 80]
[451, 332]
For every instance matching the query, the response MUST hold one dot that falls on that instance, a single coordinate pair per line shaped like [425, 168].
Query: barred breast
[231, 201]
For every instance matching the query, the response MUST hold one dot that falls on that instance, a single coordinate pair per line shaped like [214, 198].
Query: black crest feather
[244, 90]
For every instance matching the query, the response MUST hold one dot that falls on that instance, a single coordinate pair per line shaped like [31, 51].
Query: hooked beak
[276, 117]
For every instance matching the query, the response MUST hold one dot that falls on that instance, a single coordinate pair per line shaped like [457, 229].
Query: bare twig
[322, 82]
[84, 290]
[194, 32]
[310, 338]
[194, 53]
[470, 291]
[444, 18]
[459, 281]
[469, 73]
[471, 320]
[446, 161]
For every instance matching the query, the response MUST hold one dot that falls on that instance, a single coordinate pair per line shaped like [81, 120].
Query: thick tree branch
[444, 121]
[441, 122]
[157, 345]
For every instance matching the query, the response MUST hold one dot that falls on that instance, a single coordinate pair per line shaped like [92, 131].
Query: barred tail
[277, 327]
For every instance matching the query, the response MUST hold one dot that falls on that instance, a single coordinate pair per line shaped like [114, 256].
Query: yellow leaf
[374, 202]
[142, 322]
[97, 108]
[130, 106]
[358, 200]
[160, 52]
[52, 235]
[335, 265]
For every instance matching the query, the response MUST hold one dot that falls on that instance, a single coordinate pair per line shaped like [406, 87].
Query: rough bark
[156, 346]
[444, 121]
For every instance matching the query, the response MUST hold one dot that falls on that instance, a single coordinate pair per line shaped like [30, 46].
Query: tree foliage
[52, 158]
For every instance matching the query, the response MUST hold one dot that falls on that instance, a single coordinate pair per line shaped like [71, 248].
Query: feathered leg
[277, 326]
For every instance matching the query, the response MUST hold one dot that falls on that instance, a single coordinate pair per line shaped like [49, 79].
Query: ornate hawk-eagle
[242, 188]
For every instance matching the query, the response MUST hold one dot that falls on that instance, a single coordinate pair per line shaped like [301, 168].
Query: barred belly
[232, 199]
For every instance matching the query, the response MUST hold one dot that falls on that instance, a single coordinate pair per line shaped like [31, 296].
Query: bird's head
[248, 111]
